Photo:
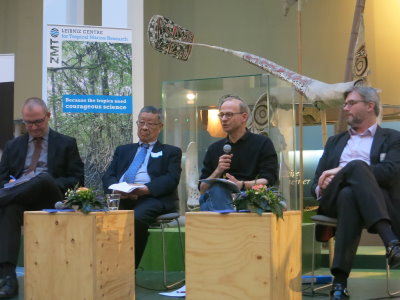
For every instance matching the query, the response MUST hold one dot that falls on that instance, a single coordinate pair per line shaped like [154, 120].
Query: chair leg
[164, 253]
[315, 289]
[390, 293]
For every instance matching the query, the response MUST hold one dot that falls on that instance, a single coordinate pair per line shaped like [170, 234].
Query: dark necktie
[130, 174]
[36, 154]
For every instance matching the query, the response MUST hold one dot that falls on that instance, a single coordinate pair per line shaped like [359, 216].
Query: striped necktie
[130, 174]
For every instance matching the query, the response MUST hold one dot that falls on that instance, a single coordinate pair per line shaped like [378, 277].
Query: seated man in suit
[154, 165]
[251, 159]
[53, 159]
[357, 181]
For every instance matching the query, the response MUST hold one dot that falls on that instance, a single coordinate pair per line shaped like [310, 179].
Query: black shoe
[9, 288]
[393, 254]
[339, 292]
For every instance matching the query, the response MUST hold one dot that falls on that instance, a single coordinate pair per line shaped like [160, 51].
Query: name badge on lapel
[382, 157]
[156, 154]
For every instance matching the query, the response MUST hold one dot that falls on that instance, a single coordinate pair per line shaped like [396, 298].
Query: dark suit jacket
[63, 160]
[164, 170]
[385, 165]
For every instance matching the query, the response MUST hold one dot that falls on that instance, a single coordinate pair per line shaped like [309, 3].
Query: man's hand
[326, 177]
[135, 194]
[233, 179]
[224, 163]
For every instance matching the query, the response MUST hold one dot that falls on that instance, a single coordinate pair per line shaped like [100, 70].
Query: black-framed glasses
[148, 124]
[34, 122]
[350, 103]
[228, 115]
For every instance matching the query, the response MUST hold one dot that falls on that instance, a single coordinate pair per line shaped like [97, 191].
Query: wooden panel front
[77, 256]
[243, 256]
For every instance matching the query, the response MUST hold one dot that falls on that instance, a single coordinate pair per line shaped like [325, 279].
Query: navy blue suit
[360, 195]
[164, 171]
[65, 170]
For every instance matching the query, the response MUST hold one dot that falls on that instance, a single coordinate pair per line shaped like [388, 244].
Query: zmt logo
[54, 32]
[54, 51]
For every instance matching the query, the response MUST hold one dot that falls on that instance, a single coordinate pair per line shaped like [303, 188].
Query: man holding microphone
[244, 158]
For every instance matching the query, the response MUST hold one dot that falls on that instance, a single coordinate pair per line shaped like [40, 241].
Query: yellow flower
[82, 188]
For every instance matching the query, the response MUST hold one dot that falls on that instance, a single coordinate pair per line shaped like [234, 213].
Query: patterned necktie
[130, 174]
[36, 154]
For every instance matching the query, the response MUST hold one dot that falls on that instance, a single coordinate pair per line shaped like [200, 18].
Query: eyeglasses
[35, 122]
[350, 103]
[148, 124]
[228, 115]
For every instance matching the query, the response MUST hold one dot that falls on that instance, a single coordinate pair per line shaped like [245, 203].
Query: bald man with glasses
[50, 164]
[251, 160]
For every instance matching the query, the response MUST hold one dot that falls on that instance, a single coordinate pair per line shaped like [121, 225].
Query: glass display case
[191, 123]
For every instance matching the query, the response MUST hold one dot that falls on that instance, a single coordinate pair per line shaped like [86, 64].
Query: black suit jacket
[385, 165]
[63, 160]
[164, 170]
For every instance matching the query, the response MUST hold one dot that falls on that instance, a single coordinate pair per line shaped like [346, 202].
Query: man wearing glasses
[357, 181]
[156, 167]
[50, 164]
[251, 158]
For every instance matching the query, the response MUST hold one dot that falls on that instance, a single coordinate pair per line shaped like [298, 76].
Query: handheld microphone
[227, 149]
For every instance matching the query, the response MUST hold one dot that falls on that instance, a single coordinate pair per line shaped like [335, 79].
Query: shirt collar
[45, 137]
[370, 131]
[242, 138]
[151, 144]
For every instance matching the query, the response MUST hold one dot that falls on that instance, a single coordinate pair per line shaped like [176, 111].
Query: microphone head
[227, 148]
[59, 205]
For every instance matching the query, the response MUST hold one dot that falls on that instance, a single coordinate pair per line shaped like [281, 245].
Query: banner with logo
[89, 90]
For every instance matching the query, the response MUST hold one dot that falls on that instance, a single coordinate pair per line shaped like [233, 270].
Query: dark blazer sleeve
[326, 161]
[164, 170]
[64, 162]
[13, 159]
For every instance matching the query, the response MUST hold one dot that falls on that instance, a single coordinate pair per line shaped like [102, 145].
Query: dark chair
[162, 221]
[331, 222]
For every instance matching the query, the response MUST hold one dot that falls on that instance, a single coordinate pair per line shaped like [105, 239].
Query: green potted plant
[83, 199]
[261, 199]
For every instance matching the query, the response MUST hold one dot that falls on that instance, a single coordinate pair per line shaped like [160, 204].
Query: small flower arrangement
[83, 199]
[261, 199]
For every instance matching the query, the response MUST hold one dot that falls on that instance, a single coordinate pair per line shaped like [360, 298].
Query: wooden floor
[363, 285]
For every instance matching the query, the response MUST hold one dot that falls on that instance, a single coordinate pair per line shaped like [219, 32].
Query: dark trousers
[38, 193]
[146, 210]
[356, 200]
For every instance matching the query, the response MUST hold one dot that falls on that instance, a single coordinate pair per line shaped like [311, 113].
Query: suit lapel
[51, 150]
[378, 141]
[20, 163]
[157, 148]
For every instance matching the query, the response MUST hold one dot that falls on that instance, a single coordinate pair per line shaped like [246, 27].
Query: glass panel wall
[191, 117]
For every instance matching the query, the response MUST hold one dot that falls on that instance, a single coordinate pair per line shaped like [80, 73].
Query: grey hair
[35, 101]
[244, 108]
[369, 94]
[153, 110]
